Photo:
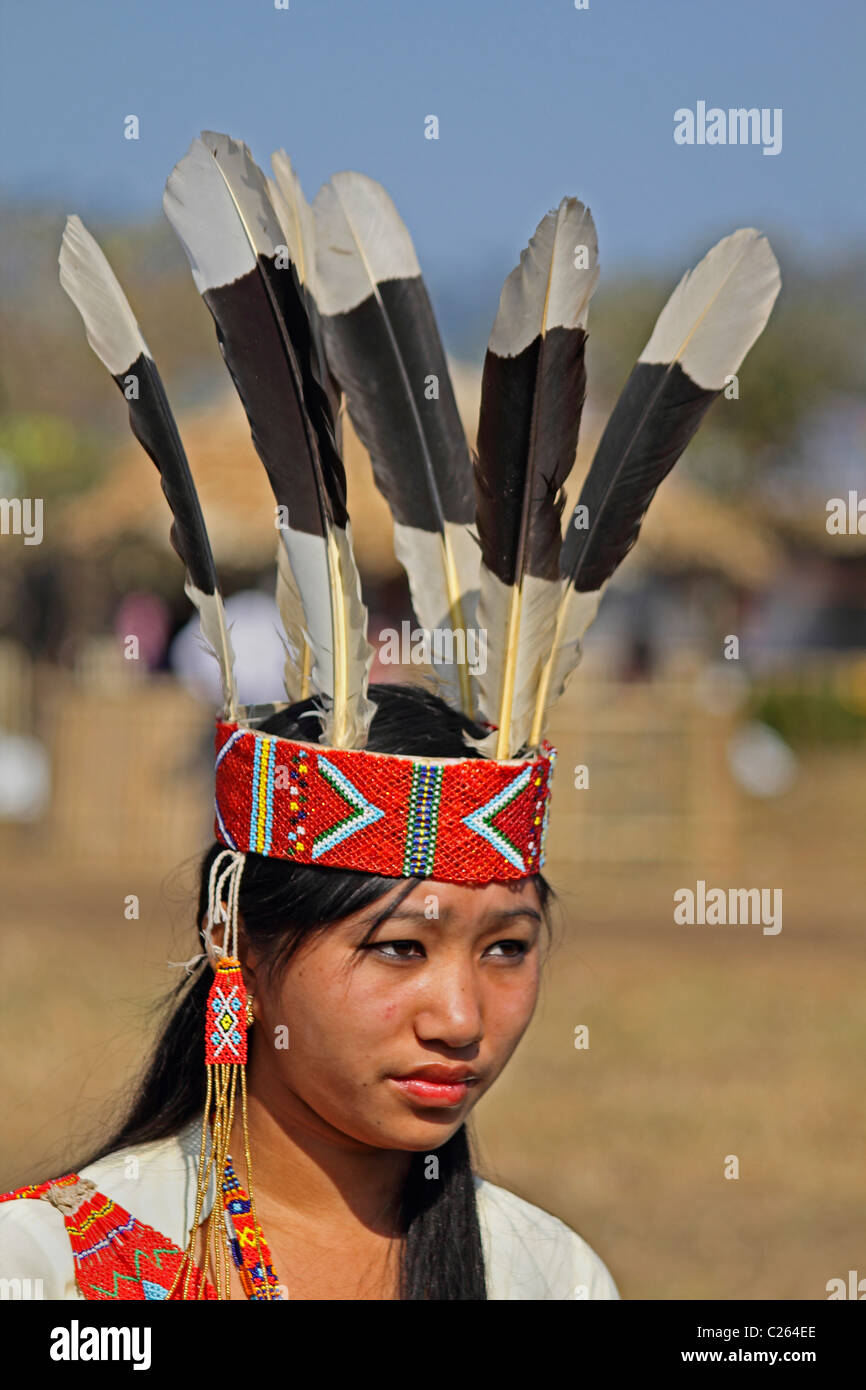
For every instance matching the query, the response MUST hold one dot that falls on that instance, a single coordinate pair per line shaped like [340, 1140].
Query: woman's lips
[433, 1092]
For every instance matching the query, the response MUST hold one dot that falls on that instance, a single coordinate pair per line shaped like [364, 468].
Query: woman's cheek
[347, 1027]
[509, 1010]
[370, 1014]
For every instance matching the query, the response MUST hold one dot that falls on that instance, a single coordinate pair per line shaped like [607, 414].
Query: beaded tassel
[254, 1268]
[225, 1063]
[225, 1035]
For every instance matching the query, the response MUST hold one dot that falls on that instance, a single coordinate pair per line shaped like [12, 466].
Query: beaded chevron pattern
[119, 1257]
[459, 820]
[116, 1256]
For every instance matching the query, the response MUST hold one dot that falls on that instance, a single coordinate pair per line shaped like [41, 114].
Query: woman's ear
[213, 940]
[209, 945]
[248, 956]
[251, 964]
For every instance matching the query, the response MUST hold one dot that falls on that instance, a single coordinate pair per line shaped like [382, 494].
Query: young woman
[383, 1009]
[383, 906]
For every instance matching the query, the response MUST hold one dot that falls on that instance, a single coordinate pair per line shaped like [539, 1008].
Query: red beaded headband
[454, 819]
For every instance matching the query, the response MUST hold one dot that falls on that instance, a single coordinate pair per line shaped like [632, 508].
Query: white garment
[528, 1253]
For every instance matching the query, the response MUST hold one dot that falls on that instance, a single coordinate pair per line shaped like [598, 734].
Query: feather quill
[714, 316]
[114, 335]
[384, 348]
[532, 394]
[217, 201]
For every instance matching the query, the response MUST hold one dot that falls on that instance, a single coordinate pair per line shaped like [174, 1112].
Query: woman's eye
[515, 948]
[396, 950]
[509, 949]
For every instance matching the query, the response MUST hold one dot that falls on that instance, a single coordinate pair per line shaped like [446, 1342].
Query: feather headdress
[712, 319]
[217, 201]
[323, 306]
[532, 393]
[114, 335]
[384, 349]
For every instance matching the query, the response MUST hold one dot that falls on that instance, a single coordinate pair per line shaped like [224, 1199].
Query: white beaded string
[188, 965]
[224, 880]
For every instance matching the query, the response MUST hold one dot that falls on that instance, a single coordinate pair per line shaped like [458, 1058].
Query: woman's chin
[421, 1126]
[418, 1132]
[420, 1137]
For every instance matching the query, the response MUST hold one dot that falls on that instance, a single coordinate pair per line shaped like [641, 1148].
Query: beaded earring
[229, 1008]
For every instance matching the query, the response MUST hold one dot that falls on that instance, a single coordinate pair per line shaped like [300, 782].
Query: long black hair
[281, 904]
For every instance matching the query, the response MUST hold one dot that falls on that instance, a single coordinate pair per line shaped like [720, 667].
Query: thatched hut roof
[685, 527]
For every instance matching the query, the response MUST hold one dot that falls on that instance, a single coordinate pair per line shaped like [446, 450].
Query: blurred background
[743, 770]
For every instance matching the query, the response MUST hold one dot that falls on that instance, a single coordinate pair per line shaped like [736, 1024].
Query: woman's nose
[450, 1009]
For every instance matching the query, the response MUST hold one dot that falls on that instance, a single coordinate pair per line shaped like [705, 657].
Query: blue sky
[534, 98]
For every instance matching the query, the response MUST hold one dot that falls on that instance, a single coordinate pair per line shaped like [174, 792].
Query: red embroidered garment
[115, 1254]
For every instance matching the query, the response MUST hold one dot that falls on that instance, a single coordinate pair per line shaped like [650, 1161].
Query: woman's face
[446, 985]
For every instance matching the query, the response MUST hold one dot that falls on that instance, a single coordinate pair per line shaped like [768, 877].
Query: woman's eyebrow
[407, 914]
[378, 914]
